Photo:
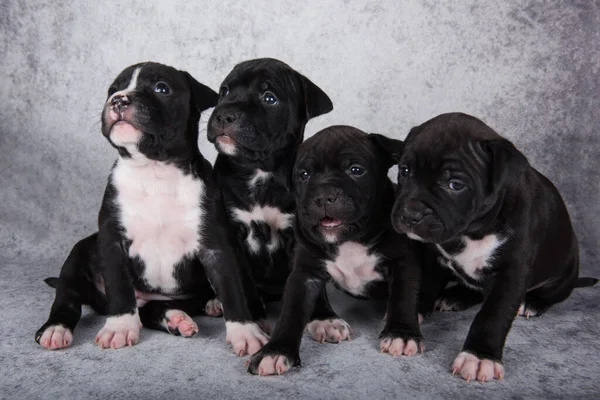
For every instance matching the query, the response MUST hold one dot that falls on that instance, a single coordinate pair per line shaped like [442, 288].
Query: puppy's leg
[481, 356]
[325, 325]
[122, 327]
[401, 334]
[434, 279]
[282, 352]
[458, 298]
[173, 316]
[75, 287]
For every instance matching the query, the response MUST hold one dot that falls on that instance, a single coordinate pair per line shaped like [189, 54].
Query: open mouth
[329, 223]
[225, 140]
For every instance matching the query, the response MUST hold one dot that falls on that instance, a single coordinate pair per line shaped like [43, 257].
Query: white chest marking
[259, 176]
[476, 255]
[161, 214]
[272, 216]
[353, 267]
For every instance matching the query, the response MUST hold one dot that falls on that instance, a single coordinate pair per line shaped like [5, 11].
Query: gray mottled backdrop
[530, 69]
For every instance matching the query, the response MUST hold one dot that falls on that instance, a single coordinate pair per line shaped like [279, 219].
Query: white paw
[119, 331]
[177, 319]
[471, 367]
[397, 347]
[245, 338]
[330, 330]
[213, 308]
[526, 312]
[56, 337]
[271, 365]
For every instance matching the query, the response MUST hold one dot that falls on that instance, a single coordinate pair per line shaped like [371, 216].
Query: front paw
[54, 337]
[330, 330]
[401, 344]
[119, 331]
[472, 367]
[270, 361]
[245, 338]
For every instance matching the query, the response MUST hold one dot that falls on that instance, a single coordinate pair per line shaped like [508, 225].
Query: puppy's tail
[585, 282]
[53, 282]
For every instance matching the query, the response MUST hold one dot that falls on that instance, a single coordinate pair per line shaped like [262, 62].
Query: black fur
[341, 175]
[266, 136]
[101, 263]
[460, 179]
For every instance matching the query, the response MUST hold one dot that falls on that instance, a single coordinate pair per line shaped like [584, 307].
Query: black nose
[326, 198]
[120, 102]
[413, 214]
[227, 117]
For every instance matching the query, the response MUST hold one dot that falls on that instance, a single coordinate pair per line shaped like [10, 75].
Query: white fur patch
[120, 331]
[414, 237]
[353, 267]
[161, 214]
[272, 216]
[246, 338]
[259, 176]
[476, 254]
[227, 148]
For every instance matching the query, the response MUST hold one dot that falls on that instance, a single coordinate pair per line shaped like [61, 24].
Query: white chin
[330, 237]
[227, 148]
[125, 135]
[415, 237]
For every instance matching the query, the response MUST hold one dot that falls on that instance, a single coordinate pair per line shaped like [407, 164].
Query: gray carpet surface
[530, 69]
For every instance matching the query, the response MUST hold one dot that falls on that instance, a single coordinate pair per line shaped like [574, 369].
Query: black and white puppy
[161, 245]
[344, 234]
[497, 224]
[257, 127]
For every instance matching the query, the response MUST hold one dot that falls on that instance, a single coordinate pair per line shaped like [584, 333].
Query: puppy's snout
[413, 214]
[120, 103]
[326, 198]
[227, 117]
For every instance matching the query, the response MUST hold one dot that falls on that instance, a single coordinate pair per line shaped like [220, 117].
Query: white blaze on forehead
[130, 88]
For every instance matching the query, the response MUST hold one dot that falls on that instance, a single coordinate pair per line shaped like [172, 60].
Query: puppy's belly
[354, 268]
[275, 221]
[161, 215]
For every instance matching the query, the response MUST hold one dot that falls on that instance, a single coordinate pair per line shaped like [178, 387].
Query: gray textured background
[530, 69]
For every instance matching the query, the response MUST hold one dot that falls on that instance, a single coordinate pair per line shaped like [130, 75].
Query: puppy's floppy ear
[317, 102]
[202, 96]
[506, 161]
[390, 149]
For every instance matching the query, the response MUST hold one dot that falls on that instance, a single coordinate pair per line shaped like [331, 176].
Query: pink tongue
[330, 222]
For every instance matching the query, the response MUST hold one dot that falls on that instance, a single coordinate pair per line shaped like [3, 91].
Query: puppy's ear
[317, 102]
[506, 161]
[202, 96]
[390, 149]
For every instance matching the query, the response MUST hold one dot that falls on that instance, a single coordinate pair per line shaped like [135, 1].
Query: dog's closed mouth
[328, 223]
[226, 140]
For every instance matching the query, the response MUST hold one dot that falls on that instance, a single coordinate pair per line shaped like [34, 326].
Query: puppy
[497, 224]
[257, 127]
[343, 231]
[161, 242]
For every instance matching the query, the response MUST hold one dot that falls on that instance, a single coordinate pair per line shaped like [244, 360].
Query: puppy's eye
[112, 90]
[404, 171]
[162, 88]
[356, 170]
[303, 175]
[455, 185]
[224, 91]
[269, 98]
